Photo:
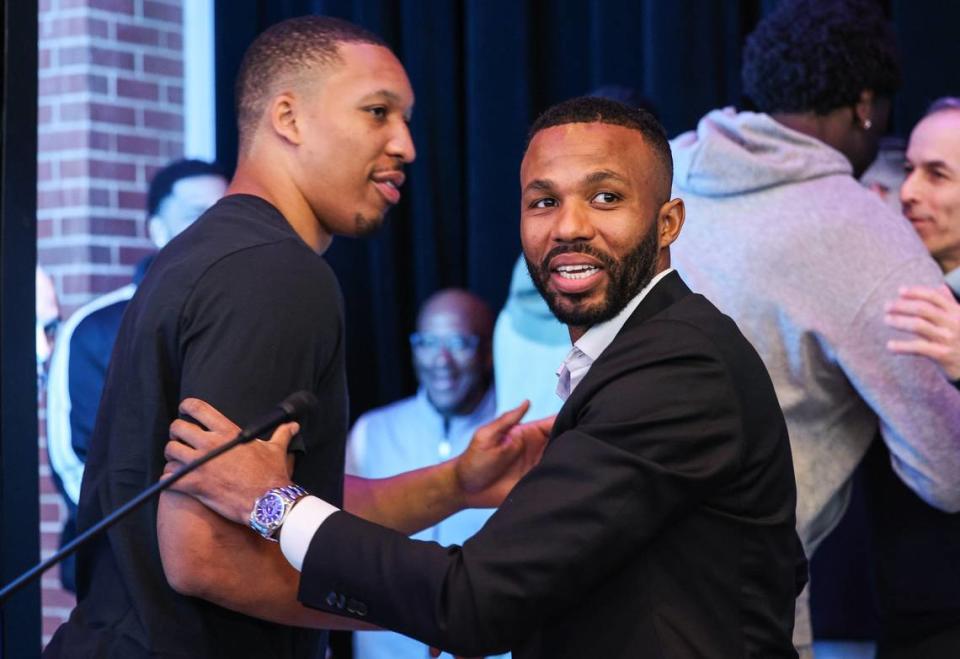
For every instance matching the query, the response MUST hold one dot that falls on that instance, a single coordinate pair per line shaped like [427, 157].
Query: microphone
[292, 408]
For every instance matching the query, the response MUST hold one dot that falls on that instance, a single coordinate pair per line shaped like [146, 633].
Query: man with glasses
[453, 361]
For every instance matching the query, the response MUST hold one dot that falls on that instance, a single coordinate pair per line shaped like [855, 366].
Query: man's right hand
[500, 454]
[932, 316]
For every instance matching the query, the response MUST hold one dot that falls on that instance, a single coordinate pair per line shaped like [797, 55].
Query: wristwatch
[271, 509]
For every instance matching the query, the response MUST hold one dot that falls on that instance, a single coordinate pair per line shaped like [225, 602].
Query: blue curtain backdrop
[482, 70]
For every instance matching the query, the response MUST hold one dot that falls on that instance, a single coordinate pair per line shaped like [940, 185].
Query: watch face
[270, 509]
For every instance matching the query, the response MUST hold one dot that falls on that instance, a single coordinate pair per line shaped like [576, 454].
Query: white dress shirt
[310, 512]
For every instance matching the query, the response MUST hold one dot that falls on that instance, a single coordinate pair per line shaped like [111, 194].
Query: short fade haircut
[591, 109]
[943, 104]
[289, 48]
[161, 185]
[819, 55]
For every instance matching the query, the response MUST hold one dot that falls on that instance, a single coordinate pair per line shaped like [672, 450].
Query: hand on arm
[190, 533]
[932, 316]
[500, 453]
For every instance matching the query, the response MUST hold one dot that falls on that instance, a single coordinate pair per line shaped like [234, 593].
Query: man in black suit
[660, 521]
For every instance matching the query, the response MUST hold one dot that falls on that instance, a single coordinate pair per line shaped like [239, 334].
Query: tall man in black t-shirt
[241, 310]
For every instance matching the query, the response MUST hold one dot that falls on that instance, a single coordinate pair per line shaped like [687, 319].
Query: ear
[283, 117]
[670, 221]
[863, 109]
[159, 233]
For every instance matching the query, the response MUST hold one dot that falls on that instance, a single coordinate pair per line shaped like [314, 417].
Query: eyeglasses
[429, 345]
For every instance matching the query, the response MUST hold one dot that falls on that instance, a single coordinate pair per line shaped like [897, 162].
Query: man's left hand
[499, 455]
[230, 483]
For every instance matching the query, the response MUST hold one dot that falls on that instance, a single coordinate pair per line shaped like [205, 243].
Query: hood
[737, 152]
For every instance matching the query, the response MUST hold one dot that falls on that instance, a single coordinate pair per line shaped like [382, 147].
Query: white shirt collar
[595, 340]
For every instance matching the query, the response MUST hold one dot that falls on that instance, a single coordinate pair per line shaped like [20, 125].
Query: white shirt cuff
[300, 526]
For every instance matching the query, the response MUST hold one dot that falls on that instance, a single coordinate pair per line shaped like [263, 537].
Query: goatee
[625, 278]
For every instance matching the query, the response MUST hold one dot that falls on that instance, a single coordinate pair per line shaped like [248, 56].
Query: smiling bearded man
[660, 521]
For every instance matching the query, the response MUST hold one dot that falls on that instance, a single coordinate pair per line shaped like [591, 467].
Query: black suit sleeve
[653, 437]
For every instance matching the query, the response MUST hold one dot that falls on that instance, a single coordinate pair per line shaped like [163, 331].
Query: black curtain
[482, 70]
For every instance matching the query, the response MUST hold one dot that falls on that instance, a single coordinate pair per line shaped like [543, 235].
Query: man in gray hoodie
[780, 235]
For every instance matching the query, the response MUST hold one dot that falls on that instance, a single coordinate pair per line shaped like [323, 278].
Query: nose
[572, 224]
[908, 189]
[401, 146]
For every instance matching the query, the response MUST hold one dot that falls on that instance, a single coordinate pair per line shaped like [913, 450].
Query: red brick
[113, 114]
[173, 40]
[133, 255]
[75, 26]
[47, 486]
[59, 140]
[73, 168]
[167, 66]
[143, 146]
[45, 58]
[59, 598]
[99, 226]
[50, 512]
[70, 83]
[74, 111]
[173, 149]
[100, 141]
[114, 171]
[132, 200]
[143, 36]
[49, 199]
[45, 229]
[44, 171]
[162, 11]
[129, 88]
[67, 55]
[114, 59]
[66, 254]
[44, 114]
[163, 120]
[115, 6]
[174, 94]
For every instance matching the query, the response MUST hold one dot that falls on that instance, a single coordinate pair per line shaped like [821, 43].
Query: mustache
[577, 248]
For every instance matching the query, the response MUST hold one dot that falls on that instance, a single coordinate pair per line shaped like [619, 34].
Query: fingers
[923, 327]
[511, 417]
[917, 347]
[941, 297]
[284, 434]
[176, 451]
[193, 435]
[208, 415]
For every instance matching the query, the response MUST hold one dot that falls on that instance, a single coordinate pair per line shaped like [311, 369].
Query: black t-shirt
[240, 312]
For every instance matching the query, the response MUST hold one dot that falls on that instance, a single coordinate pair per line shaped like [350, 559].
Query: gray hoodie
[781, 237]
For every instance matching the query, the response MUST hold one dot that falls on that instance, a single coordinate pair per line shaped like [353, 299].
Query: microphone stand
[290, 408]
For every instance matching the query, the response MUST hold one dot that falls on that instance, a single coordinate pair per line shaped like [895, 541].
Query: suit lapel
[668, 291]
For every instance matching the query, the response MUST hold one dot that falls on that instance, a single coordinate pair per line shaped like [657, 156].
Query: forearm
[408, 502]
[207, 556]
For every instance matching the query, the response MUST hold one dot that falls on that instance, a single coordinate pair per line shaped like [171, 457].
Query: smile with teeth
[581, 271]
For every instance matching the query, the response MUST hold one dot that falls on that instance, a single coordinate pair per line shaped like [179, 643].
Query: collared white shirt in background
[310, 512]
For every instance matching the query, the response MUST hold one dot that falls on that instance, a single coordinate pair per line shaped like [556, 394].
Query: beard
[625, 278]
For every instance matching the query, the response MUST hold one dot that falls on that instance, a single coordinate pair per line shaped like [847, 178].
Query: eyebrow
[936, 164]
[599, 176]
[602, 175]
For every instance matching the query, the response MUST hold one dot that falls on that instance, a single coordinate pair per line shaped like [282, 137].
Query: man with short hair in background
[453, 363]
[781, 236]
[178, 194]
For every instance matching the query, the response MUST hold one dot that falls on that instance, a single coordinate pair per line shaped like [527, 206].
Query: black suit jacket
[660, 522]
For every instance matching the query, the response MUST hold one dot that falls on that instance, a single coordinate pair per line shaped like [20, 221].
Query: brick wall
[110, 114]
